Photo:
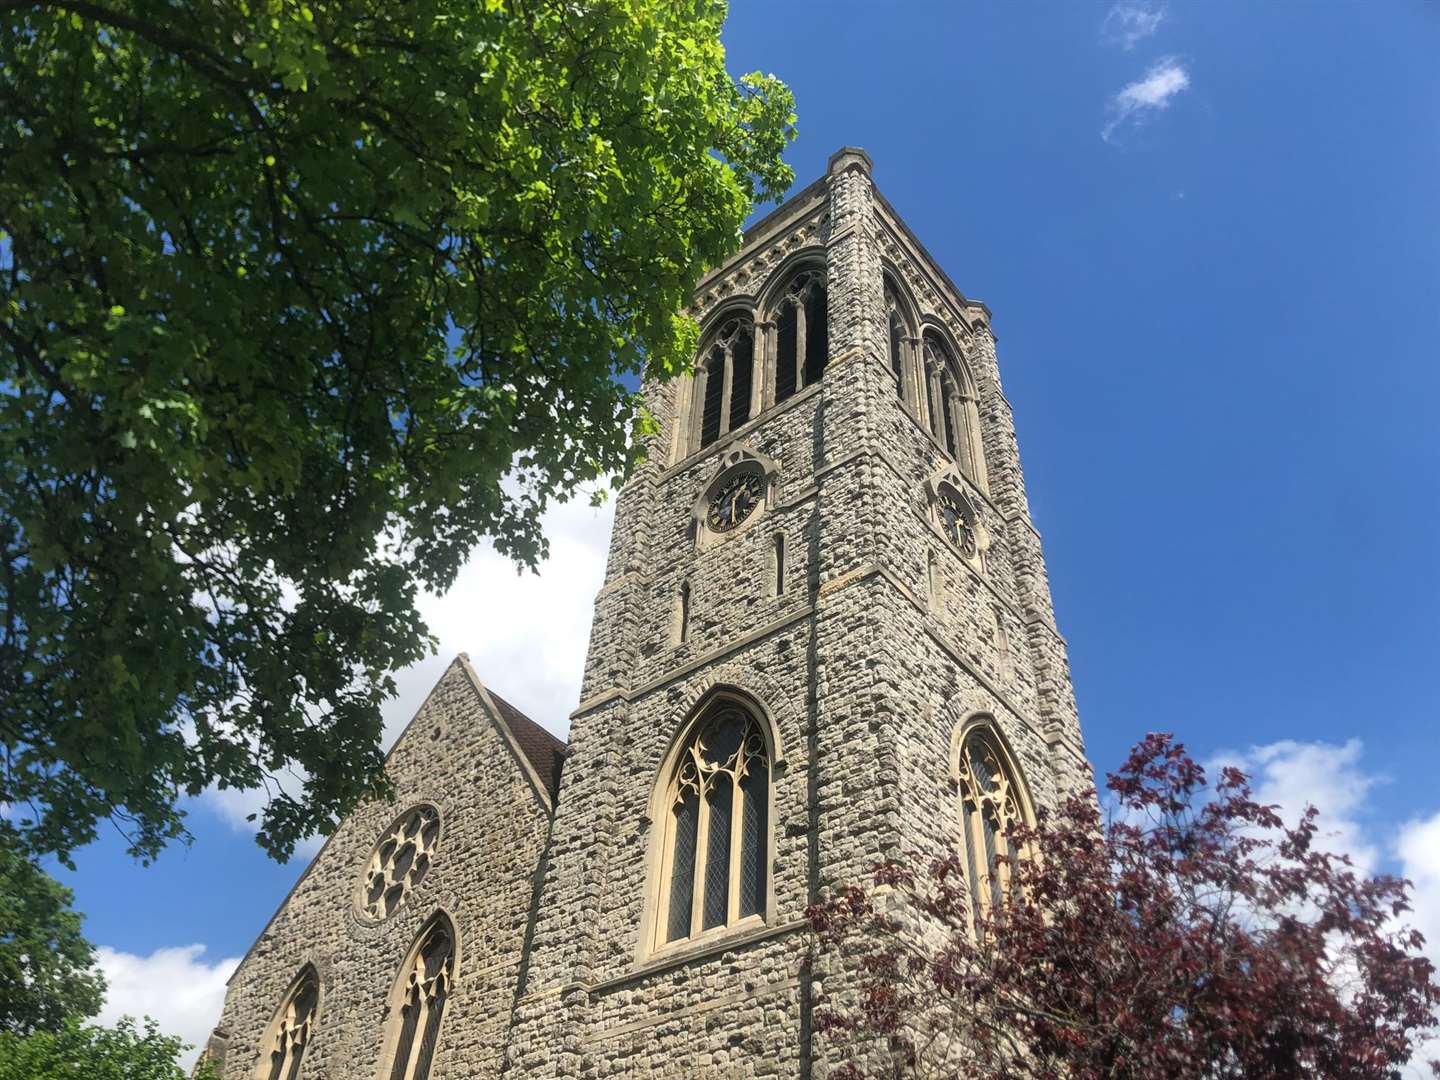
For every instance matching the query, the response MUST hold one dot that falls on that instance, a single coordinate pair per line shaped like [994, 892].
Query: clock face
[734, 501]
[959, 522]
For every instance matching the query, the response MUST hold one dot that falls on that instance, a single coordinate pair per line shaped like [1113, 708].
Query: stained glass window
[421, 1003]
[991, 806]
[718, 828]
[290, 1032]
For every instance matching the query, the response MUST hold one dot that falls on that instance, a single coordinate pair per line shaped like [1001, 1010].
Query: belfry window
[992, 803]
[290, 1031]
[952, 413]
[802, 334]
[897, 338]
[419, 1002]
[717, 827]
[725, 380]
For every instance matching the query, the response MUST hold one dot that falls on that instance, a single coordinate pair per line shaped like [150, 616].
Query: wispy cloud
[175, 986]
[1137, 102]
[1130, 22]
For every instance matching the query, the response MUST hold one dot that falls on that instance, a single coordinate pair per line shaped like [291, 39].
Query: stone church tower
[825, 637]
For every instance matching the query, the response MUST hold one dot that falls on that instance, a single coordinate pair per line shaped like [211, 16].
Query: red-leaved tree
[1191, 935]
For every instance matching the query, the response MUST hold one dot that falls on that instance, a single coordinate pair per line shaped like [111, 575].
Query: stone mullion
[762, 379]
[727, 381]
[737, 811]
[934, 403]
[799, 346]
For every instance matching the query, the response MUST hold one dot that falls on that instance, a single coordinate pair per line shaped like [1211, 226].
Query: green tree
[85, 1052]
[46, 967]
[287, 289]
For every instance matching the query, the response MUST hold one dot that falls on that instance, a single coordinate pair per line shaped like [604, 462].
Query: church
[825, 637]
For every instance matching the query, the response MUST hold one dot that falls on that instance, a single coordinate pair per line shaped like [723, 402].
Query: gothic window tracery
[717, 826]
[420, 1003]
[399, 863]
[290, 1032]
[992, 803]
[802, 334]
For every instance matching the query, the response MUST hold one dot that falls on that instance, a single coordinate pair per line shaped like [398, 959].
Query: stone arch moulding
[653, 942]
[394, 1041]
[777, 279]
[292, 1027]
[949, 479]
[734, 462]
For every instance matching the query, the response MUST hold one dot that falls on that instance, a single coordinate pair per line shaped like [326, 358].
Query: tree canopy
[46, 967]
[300, 300]
[1192, 936]
[77, 1051]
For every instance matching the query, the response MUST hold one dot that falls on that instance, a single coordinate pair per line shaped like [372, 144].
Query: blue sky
[1210, 237]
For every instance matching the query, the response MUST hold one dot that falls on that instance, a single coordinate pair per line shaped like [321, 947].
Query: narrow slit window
[777, 564]
[682, 614]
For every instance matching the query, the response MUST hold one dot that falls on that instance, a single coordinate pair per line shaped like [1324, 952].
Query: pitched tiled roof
[545, 751]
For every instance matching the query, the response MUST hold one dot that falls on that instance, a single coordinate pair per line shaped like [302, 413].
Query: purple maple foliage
[1191, 935]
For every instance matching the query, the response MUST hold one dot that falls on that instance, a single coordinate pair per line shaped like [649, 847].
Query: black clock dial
[959, 522]
[734, 501]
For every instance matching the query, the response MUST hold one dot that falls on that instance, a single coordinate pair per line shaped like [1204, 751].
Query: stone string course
[881, 643]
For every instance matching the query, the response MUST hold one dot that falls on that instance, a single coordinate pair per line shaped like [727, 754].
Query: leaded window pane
[682, 872]
[785, 332]
[756, 789]
[714, 388]
[742, 365]
[897, 363]
[817, 336]
[717, 855]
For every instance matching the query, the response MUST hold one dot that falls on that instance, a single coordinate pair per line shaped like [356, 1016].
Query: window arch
[418, 1002]
[802, 333]
[716, 839]
[724, 380]
[993, 800]
[952, 413]
[289, 1033]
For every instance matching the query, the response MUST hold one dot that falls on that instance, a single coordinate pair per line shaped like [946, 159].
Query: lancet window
[898, 331]
[725, 380]
[290, 1032]
[420, 1003]
[717, 827]
[952, 412]
[992, 803]
[802, 334]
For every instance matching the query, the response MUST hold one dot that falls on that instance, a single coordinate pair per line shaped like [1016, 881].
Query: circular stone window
[400, 862]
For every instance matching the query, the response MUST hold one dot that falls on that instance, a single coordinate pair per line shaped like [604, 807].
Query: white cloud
[1333, 778]
[175, 986]
[1327, 776]
[1130, 22]
[525, 633]
[1138, 101]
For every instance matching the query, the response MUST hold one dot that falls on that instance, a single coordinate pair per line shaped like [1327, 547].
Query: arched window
[290, 1030]
[418, 1003]
[992, 801]
[717, 827]
[953, 415]
[724, 380]
[802, 334]
[898, 330]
